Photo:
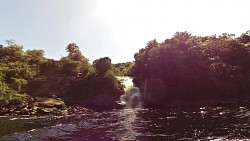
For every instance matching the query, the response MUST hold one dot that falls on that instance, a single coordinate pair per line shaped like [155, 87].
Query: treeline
[16, 69]
[188, 67]
[123, 69]
[184, 67]
[24, 73]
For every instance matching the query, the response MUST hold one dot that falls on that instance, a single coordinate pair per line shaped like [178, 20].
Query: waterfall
[132, 96]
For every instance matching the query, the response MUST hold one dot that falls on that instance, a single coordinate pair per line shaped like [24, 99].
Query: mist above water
[132, 96]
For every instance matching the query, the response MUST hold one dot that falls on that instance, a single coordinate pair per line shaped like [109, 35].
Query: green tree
[15, 71]
[72, 48]
[194, 67]
[35, 56]
[75, 63]
[102, 65]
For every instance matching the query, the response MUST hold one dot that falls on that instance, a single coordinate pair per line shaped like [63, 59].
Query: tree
[75, 63]
[102, 65]
[15, 71]
[18, 83]
[194, 67]
[10, 42]
[72, 47]
[123, 69]
[12, 53]
[244, 38]
[35, 56]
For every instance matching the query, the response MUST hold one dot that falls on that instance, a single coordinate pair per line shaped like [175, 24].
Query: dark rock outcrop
[99, 102]
[40, 106]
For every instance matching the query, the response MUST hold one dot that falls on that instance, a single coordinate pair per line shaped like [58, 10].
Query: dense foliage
[194, 67]
[184, 67]
[75, 63]
[89, 80]
[16, 68]
[123, 69]
[30, 72]
[100, 81]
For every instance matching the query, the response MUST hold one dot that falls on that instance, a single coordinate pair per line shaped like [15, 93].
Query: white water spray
[132, 96]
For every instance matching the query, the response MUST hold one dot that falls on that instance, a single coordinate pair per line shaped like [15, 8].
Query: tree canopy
[102, 65]
[182, 67]
[194, 67]
[75, 63]
[16, 68]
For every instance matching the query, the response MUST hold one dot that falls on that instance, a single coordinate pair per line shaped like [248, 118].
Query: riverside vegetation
[184, 68]
[194, 70]
[28, 77]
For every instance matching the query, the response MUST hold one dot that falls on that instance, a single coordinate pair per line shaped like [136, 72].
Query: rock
[64, 112]
[3, 111]
[19, 107]
[50, 102]
[30, 106]
[32, 113]
[54, 110]
[78, 110]
[12, 110]
[34, 108]
[41, 106]
[60, 105]
[30, 100]
[24, 111]
[44, 110]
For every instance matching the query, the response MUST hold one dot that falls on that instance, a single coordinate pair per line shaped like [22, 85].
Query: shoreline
[36, 106]
[200, 103]
[51, 106]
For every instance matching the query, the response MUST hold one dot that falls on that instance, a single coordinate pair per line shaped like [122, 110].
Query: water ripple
[204, 123]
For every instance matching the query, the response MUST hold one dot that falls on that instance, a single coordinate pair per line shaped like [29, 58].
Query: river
[143, 124]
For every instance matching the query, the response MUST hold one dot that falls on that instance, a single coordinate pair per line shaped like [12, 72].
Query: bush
[17, 99]
[4, 101]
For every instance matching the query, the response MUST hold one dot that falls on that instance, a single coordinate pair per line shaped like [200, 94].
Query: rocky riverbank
[36, 106]
[57, 106]
[42, 106]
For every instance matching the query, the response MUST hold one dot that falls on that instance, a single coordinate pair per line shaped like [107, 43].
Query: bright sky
[115, 28]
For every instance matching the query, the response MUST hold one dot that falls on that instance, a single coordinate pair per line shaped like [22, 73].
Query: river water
[186, 123]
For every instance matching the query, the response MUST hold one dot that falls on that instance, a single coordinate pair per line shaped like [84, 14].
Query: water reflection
[205, 123]
[129, 132]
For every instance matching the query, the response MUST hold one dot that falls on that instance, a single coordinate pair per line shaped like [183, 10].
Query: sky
[115, 28]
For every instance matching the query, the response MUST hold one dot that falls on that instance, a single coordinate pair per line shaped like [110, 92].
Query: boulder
[44, 110]
[50, 103]
[24, 111]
